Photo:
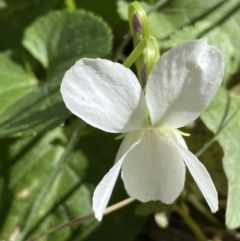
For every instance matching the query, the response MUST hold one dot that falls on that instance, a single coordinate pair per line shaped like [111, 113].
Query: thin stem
[119, 205]
[62, 226]
[206, 145]
[201, 208]
[122, 46]
[191, 224]
[84, 219]
[222, 125]
[73, 140]
[156, 6]
[135, 54]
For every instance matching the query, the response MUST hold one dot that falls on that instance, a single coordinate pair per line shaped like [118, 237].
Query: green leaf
[17, 15]
[225, 111]
[14, 84]
[40, 109]
[3, 4]
[219, 24]
[60, 38]
[171, 16]
[109, 12]
[27, 165]
[122, 8]
[179, 21]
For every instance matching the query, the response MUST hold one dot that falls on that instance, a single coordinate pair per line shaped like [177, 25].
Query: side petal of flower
[180, 139]
[201, 176]
[104, 189]
[154, 169]
[183, 82]
[106, 95]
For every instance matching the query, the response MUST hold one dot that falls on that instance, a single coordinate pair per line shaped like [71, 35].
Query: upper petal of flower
[154, 169]
[200, 175]
[104, 189]
[183, 82]
[106, 95]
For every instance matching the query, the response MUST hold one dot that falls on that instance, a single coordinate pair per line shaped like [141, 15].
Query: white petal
[201, 176]
[104, 189]
[173, 134]
[106, 95]
[183, 82]
[154, 169]
[180, 139]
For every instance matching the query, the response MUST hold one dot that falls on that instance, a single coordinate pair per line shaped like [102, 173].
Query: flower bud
[137, 24]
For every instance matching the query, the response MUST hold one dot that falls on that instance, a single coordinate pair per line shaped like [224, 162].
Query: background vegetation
[50, 161]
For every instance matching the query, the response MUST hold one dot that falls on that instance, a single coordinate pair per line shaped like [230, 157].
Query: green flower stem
[135, 54]
[202, 209]
[84, 219]
[140, 30]
[128, 36]
[42, 195]
[191, 223]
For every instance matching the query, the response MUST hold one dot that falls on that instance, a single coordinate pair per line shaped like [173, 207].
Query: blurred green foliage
[48, 170]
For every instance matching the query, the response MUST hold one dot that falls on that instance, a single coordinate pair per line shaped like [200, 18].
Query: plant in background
[51, 161]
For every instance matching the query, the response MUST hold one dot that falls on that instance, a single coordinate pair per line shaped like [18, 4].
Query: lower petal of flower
[200, 175]
[154, 169]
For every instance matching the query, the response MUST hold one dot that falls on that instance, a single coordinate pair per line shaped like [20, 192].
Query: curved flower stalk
[153, 154]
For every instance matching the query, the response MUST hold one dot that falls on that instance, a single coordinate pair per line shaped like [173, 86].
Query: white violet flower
[153, 154]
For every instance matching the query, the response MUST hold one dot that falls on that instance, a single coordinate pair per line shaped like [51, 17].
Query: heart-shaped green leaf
[222, 117]
[57, 41]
